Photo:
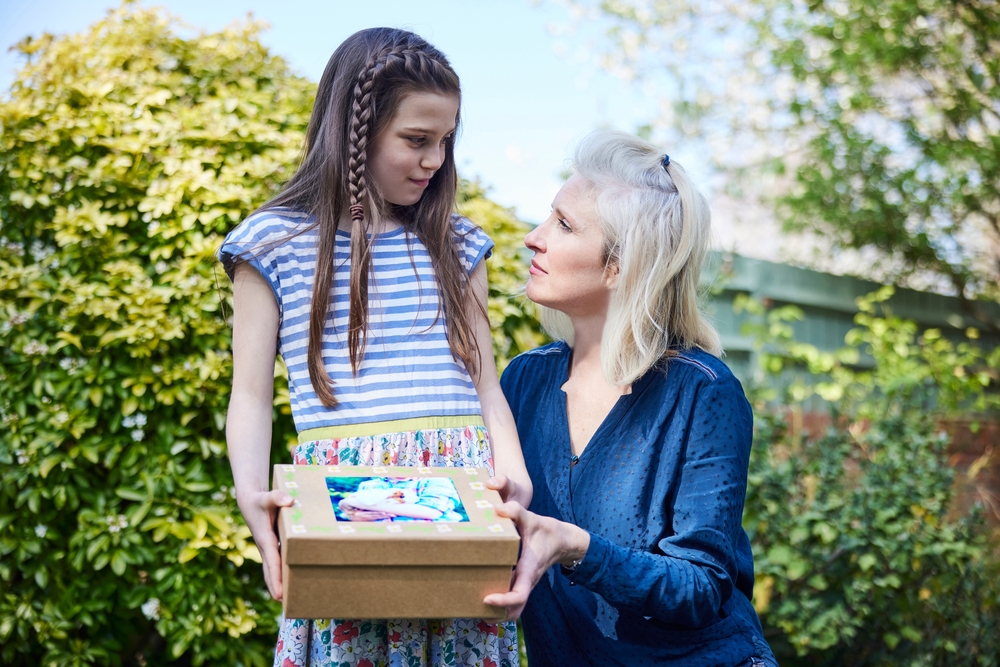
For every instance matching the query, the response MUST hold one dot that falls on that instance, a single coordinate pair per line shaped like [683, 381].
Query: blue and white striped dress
[411, 403]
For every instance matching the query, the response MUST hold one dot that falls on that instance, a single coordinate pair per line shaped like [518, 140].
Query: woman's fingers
[502, 484]
[512, 510]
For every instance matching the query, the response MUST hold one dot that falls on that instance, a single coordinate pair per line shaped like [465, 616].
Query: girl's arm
[507, 458]
[248, 425]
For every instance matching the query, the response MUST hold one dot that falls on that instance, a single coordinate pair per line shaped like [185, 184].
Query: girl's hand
[509, 490]
[544, 542]
[260, 511]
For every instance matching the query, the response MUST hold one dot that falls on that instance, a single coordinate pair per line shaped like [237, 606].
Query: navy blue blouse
[668, 576]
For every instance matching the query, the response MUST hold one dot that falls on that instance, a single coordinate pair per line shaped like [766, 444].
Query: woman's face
[567, 271]
[412, 147]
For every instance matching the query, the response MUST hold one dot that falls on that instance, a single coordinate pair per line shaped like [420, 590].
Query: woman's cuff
[592, 564]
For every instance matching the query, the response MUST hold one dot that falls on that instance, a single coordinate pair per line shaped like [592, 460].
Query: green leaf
[46, 466]
[118, 563]
[867, 562]
[130, 494]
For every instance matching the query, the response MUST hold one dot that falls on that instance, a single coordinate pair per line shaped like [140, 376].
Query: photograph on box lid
[396, 499]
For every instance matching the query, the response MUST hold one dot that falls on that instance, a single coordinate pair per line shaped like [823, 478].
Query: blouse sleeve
[255, 241]
[474, 245]
[693, 576]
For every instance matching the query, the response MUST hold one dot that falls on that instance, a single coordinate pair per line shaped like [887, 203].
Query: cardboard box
[392, 542]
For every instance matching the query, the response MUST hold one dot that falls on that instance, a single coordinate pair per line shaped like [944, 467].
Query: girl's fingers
[272, 499]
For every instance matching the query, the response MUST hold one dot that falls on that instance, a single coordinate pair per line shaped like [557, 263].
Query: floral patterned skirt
[398, 642]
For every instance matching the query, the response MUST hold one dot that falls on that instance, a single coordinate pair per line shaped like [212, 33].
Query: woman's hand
[509, 490]
[544, 542]
[260, 511]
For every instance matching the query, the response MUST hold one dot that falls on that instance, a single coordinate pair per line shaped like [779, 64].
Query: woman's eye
[417, 141]
[563, 224]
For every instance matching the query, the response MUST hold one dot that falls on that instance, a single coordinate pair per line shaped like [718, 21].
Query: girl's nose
[433, 158]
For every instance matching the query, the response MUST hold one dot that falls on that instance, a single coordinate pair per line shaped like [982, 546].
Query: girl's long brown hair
[358, 95]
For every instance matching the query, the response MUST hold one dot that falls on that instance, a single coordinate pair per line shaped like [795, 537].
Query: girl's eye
[564, 225]
[417, 141]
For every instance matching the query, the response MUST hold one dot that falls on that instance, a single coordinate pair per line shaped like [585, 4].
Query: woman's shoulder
[537, 359]
[699, 364]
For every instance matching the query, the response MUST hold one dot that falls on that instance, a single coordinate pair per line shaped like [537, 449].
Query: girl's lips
[422, 183]
[535, 269]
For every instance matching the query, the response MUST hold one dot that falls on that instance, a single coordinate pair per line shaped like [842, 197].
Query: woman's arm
[689, 582]
[248, 425]
[507, 457]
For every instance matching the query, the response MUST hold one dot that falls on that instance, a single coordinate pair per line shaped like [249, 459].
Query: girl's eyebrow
[421, 130]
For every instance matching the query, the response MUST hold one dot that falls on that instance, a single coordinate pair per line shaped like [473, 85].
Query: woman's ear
[611, 275]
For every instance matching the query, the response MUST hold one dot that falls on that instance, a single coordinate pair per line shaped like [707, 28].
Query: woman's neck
[588, 332]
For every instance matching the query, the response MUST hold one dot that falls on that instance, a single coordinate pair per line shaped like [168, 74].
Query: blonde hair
[656, 228]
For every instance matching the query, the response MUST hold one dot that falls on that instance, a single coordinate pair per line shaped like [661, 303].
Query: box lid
[380, 515]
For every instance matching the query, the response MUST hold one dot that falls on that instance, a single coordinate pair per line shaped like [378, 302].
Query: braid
[358, 139]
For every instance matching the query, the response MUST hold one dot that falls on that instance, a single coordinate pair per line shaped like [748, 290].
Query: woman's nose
[534, 240]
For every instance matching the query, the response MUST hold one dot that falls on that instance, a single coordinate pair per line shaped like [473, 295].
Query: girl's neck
[381, 226]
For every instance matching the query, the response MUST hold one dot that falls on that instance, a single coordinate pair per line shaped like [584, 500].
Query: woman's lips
[535, 269]
[421, 182]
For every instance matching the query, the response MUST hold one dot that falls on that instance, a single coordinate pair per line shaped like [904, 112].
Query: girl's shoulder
[264, 235]
[268, 224]
[474, 244]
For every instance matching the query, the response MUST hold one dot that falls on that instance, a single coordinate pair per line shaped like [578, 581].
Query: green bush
[126, 153]
[859, 557]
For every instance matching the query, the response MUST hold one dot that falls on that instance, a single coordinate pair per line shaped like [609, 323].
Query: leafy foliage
[513, 318]
[126, 152]
[859, 556]
[881, 119]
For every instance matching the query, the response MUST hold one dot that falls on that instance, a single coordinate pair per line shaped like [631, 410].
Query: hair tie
[666, 161]
[357, 212]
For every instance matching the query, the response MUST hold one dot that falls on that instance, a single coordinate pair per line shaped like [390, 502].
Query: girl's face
[411, 148]
[567, 271]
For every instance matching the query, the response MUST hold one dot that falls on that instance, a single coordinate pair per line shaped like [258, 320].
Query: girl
[374, 294]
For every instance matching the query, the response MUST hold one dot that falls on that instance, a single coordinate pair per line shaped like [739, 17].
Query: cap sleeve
[474, 245]
[256, 241]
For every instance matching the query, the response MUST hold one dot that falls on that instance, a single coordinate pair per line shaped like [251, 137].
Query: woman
[636, 436]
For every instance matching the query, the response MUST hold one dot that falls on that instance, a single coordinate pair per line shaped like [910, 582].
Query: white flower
[34, 348]
[151, 609]
[140, 419]
[19, 318]
[128, 422]
[40, 530]
[218, 496]
[138, 434]
[22, 456]
[16, 248]
[116, 523]
[61, 418]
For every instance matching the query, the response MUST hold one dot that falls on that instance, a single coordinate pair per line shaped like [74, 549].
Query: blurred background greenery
[128, 150]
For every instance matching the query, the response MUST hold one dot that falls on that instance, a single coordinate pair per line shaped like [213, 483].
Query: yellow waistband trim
[392, 426]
